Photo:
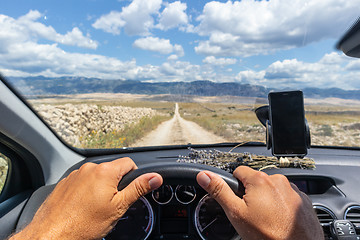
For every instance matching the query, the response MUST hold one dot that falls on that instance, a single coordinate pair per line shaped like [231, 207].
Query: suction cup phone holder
[262, 113]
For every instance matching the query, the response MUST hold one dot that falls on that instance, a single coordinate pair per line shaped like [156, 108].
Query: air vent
[353, 215]
[325, 215]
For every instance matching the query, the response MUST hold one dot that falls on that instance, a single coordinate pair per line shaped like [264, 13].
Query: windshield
[139, 73]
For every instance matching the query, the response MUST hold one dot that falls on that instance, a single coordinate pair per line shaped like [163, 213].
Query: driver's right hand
[271, 208]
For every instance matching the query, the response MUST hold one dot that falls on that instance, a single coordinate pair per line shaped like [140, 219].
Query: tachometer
[211, 221]
[136, 223]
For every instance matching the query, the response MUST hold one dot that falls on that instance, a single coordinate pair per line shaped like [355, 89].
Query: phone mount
[262, 113]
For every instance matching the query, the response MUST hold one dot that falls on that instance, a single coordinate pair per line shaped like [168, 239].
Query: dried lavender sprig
[229, 161]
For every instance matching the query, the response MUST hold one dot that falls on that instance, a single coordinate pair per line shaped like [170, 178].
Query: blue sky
[277, 43]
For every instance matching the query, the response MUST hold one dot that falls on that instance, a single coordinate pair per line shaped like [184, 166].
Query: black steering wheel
[184, 173]
[172, 173]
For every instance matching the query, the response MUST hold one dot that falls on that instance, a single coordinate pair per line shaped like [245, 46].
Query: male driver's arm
[87, 204]
[271, 208]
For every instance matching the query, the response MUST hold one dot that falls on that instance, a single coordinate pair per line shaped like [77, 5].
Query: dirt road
[178, 131]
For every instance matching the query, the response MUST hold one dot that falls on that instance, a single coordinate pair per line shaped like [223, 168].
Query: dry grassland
[332, 121]
[331, 125]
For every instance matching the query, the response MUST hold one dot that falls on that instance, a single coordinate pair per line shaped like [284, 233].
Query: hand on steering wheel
[88, 203]
[271, 207]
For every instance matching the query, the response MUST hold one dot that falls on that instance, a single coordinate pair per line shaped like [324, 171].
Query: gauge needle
[124, 218]
[209, 224]
[189, 193]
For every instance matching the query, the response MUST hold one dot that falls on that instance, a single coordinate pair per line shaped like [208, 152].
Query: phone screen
[287, 121]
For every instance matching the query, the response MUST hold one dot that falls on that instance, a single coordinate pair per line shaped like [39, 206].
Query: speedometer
[136, 223]
[211, 221]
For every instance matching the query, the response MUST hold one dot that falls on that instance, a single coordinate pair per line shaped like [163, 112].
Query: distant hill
[76, 85]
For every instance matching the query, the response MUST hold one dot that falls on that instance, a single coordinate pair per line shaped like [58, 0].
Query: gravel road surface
[178, 131]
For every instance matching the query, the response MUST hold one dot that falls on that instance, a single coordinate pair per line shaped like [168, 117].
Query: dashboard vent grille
[353, 215]
[325, 215]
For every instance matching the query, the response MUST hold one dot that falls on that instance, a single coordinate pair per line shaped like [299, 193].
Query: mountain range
[76, 85]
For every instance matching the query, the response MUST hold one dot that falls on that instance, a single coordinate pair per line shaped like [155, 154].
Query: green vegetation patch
[324, 130]
[122, 138]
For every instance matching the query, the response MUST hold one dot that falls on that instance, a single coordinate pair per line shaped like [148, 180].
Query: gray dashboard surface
[341, 167]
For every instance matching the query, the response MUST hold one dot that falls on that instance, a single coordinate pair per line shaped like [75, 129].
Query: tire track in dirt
[178, 131]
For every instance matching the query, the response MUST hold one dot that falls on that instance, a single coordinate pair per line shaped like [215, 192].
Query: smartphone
[287, 120]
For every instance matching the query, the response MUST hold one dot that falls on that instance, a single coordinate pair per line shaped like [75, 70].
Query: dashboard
[180, 209]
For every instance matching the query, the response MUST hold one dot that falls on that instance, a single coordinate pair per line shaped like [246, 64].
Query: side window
[4, 166]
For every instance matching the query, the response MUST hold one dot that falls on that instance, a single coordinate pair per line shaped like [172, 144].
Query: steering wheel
[184, 173]
[172, 173]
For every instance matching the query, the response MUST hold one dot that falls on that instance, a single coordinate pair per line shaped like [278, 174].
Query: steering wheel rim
[181, 173]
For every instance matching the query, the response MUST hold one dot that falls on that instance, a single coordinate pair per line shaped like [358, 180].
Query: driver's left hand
[87, 203]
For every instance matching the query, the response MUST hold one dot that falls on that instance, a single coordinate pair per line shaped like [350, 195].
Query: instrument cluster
[174, 212]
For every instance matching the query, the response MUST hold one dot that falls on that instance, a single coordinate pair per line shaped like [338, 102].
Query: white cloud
[28, 27]
[75, 37]
[329, 71]
[160, 45]
[111, 23]
[136, 18]
[181, 71]
[178, 49]
[334, 58]
[154, 44]
[173, 57]
[186, 71]
[250, 76]
[225, 44]
[353, 65]
[248, 27]
[22, 54]
[173, 16]
[43, 59]
[24, 58]
[219, 61]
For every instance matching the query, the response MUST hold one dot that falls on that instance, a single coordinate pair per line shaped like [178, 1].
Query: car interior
[39, 159]
[180, 209]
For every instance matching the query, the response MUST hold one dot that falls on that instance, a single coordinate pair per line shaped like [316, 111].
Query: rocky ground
[76, 121]
[3, 172]
[340, 134]
[244, 132]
